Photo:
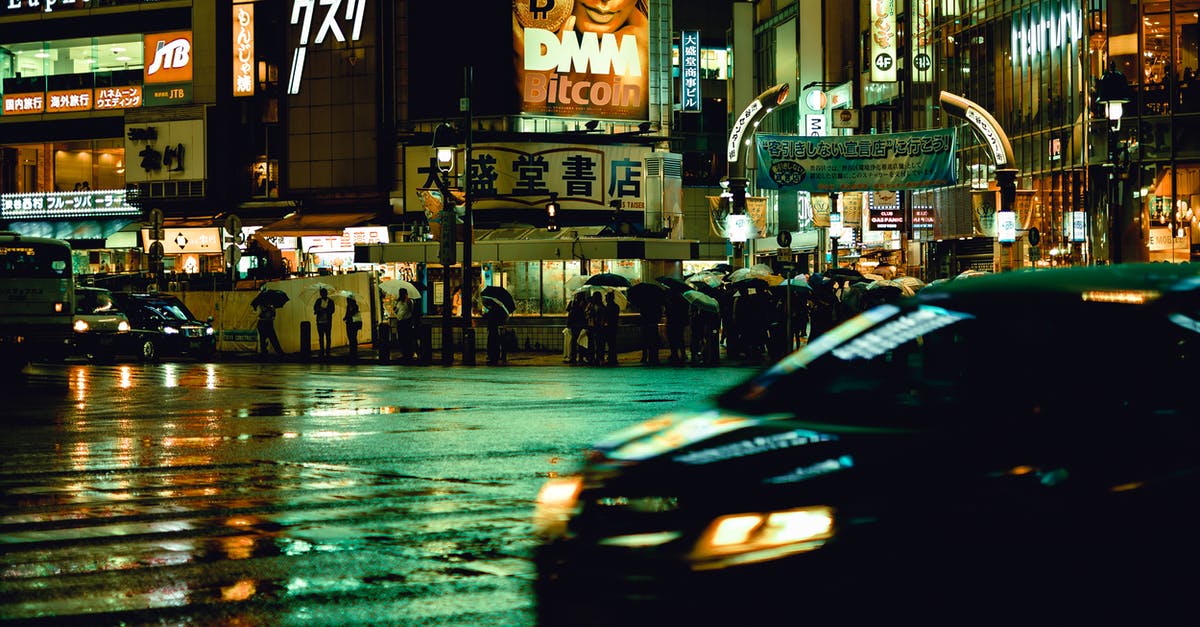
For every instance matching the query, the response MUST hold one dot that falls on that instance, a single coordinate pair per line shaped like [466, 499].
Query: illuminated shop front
[540, 269]
[1035, 65]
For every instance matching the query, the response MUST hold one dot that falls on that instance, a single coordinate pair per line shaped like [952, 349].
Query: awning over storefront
[487, 250]
[81, 233]
[310, 224]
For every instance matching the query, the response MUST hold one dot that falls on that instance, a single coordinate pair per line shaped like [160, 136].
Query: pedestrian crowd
[750, 320]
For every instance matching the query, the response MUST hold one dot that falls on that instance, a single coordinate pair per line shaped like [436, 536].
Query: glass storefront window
[83, 165]
[39, 66]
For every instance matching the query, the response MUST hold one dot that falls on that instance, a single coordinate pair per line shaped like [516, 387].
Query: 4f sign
[171, 61]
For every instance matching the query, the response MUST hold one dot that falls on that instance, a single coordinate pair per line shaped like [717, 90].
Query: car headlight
[209, 331]
[170, 330]
[123, 326]
[556, 502]
[755, 537]
[81, 326]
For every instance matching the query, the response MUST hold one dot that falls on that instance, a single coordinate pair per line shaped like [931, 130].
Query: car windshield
[898, 365]
[93, 302]
[170, 309]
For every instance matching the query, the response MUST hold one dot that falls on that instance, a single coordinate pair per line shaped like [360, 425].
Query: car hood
[715, 449]
[106, 323]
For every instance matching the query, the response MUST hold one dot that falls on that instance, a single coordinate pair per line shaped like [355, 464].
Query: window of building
[40, 66]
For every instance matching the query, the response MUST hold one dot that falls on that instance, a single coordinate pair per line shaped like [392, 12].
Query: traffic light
[552, 213]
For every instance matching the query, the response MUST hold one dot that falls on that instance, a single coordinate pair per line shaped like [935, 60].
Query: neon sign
[303, 10]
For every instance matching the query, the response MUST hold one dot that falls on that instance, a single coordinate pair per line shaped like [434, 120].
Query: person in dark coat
[595, 351]
[612, 319]
[577, 321]
[353, 322]
[494, 316]
[266, 329]
[677, 320]
[323, 312]
[649, 315]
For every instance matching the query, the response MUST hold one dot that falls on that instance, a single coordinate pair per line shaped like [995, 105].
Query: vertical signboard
[921, 48]
[243, 50]
[883, 41]
[600, 68]
[689, 77]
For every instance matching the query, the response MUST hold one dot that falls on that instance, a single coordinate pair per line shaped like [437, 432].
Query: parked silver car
[101, 329]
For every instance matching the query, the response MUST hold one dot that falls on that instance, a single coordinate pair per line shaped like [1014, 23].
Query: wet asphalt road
[282, 494]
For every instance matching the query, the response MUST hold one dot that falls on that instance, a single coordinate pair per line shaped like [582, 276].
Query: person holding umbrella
[353, 320]
[323, 311]
[266, 324]
[677, 321]
[402, 317]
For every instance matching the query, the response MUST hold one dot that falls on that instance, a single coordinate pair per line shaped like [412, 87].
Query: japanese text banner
[845, 163]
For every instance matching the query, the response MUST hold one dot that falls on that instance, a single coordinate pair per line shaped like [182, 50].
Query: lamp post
[835, 229]
[735, 153]
[468, 287]
[1112, 91]
[443, 146]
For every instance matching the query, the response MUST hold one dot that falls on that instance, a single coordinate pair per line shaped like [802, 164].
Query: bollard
[384, 349]
[305, 339]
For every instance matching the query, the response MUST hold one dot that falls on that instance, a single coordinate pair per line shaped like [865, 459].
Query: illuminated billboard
[583, 58]
[243, 50]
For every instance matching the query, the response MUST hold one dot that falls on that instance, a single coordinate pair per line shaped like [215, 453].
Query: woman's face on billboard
[602, 16]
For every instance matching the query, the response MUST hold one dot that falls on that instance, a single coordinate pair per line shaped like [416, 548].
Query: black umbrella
[723, 268]
[607, 279]
[708, 290]
[500, 296]
[274, 298]
[674, 284]
[754, 283]
[841, 274]
[647, 295]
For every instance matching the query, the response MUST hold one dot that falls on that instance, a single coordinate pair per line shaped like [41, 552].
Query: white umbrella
[619, 296]
[312, 291]
[392, 287]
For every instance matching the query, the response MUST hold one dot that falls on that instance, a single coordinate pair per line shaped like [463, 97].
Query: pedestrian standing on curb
[576, 323]
[677, 320]
[649, 315]
[266, 329]
[595, 332]
[402, 318]
[494, 316]
[323, 311]
[612, 319]
[353, 321]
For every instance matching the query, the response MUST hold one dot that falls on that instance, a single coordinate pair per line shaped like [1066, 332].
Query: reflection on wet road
[285, 493]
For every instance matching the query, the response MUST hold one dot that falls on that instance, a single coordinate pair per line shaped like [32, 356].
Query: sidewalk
[367, 354]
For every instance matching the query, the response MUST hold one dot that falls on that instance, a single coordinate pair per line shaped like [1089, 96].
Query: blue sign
[847, 163]
[690, 70]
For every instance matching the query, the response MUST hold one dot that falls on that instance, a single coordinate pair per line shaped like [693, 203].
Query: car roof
[1159, 278]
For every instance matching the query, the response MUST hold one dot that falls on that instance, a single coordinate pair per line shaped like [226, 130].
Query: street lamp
[1112, 91]
[444, 145]
[735, 153]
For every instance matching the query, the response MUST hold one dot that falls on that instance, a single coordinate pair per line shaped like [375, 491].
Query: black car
[163, 326]
[1020, 448]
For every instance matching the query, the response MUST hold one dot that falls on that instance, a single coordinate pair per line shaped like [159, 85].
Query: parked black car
[1021, 448]
[163, 326]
